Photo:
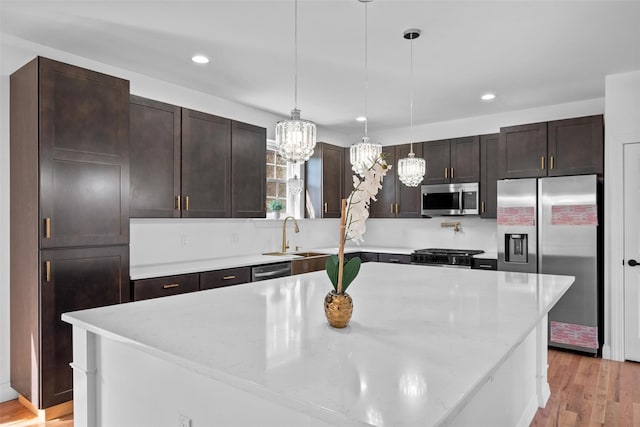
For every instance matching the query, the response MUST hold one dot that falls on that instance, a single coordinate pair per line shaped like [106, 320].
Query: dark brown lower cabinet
[484, 263]
[72, 279]
[394, 258]
[368, 257]
[226, 277]
[165, 286]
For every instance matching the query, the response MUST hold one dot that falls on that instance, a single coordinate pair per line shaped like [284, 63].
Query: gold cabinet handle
[228, 277]
[47, 267]
[482, 207]
[326, 207]
[452, 173]
[394, 260]
[551, 163]
[446, 172]
[179, 203]
[397, 208]
[172, 285]
[186, 203]
[542, 162]
[47, 228]
[392, 207]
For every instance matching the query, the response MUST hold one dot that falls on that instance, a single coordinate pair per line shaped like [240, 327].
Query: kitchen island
[426, 346]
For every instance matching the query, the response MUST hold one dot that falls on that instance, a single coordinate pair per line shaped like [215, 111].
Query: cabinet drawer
[368, 257]
[226, 277]
[164, 286]
[484, 263]
[394, 258]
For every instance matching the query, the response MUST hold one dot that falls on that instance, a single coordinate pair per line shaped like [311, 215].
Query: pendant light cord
[411, 98]
[366, 71]
[295, 55]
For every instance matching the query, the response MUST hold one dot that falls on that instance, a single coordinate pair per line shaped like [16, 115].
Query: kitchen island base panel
[130, 388]
[118, 383]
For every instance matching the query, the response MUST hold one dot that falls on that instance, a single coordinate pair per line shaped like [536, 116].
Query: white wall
[481, 125]
[156, 241]
[622, 126]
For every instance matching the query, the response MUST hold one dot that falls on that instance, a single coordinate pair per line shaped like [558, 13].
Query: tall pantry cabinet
[69, 215]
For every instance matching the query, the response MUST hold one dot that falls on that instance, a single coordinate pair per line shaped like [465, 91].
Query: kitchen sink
[305, 261]
[300, 254]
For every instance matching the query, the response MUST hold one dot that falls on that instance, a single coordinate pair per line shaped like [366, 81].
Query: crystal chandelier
[411, 169]
[364, 153]
[295, 138]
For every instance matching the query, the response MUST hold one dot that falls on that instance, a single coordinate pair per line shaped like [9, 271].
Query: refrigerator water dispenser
[517, 248]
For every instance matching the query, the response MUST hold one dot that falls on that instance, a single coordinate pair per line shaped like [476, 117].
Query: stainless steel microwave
[450, 199]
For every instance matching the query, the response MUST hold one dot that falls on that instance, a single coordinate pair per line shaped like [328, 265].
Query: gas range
[444, 257]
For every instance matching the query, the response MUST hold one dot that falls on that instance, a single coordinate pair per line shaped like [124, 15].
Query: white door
[632, 251]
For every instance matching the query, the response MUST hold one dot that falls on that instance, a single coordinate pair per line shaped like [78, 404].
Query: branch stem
[343, 219]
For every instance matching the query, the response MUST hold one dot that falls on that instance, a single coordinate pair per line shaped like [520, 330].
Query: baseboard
[7, 393]
[529, 413]
[50, 413]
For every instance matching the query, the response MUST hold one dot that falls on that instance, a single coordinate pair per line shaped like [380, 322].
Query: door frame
[613, 347]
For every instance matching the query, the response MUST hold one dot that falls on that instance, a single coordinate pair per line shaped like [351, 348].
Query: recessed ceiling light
[361, 118]
[200, 59]
[488, 96]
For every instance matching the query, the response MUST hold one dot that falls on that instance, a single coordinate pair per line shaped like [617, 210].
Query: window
[285, 182]
[276, 178]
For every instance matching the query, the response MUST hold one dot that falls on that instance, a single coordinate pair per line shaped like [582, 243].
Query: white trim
[614, 246]
[7, 393]
[614, 253]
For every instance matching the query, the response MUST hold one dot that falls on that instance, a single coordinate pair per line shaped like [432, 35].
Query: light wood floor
[585, 391]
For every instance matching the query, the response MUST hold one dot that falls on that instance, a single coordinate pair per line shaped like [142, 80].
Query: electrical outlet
[183, 240]
[184, 421]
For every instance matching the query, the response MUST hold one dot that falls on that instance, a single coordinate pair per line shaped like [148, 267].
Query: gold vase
[338, 309]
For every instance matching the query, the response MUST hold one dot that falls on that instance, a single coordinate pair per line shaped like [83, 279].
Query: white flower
[359, 200]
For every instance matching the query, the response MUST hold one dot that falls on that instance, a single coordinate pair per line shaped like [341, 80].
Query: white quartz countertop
[421, 341]
[147, 271]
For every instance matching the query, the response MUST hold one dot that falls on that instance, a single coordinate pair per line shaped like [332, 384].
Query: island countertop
[421, 342]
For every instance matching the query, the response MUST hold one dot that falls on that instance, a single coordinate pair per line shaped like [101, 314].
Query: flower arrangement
[355, 211]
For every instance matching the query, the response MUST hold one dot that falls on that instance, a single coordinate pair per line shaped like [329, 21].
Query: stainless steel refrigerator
[550, 225]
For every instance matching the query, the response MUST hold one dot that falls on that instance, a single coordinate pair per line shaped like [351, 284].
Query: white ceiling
[530, 53]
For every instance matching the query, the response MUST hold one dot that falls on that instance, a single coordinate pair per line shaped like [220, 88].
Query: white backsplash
[169, 240]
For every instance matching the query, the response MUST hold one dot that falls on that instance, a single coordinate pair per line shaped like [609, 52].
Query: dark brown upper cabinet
[385, 206]
[155, 135]
[206, 165]
[325, 181]
[522, 151]
[187, 163]
[407, 198]
[396, 200]
[576, 146]
[488, 175]
[83, 140]
[561, 147]
[348, 174]
[452, 160]
[248, 170]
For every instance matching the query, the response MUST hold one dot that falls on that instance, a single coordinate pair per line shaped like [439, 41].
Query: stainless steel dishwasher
[270, 271]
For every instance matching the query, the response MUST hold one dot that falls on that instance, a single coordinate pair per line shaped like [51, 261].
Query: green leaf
[350, 272]
[332, 270]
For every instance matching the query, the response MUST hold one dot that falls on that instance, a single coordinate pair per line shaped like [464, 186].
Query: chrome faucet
[285, 244]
